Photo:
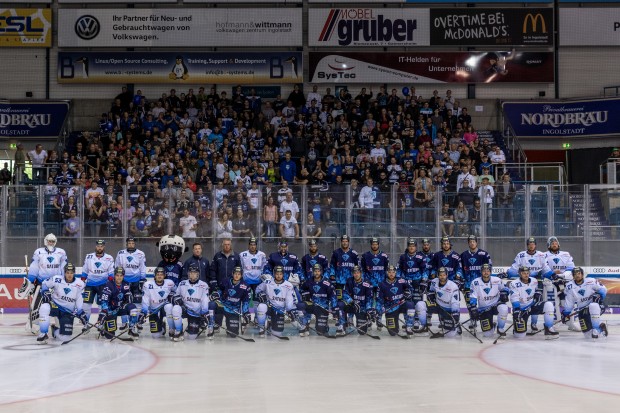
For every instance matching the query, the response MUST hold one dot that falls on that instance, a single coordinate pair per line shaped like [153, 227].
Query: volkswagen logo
[87, 27]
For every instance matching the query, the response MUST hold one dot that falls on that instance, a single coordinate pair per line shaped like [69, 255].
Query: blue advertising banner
[32, 119]
[564, 119]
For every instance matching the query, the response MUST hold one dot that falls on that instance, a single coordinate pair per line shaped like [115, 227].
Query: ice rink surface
[310, 374]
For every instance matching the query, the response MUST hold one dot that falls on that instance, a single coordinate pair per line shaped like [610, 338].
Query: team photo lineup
[257, 293]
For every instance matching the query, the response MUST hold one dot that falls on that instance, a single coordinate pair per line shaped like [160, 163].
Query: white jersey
[537, 263]
[155, 296]
[45, 264]
[486, 294]
[447, 295]
[521, 294]
[195, 297]
[67, 296]
[134, 264]
[581, 294]
[562, 261]
[252, 265]
[280, 296]
[97, 270]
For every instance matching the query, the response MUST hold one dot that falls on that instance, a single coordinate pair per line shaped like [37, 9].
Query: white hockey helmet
[552, 239]
[50, 241]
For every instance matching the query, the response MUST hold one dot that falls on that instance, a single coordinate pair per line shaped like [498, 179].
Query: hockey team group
[356, 291]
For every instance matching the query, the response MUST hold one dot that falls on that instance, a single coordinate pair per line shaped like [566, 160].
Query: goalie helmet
[171, 247]
[50, 241]
[552, 239]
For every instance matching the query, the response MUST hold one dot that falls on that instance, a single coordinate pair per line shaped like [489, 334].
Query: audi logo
[87, 27]
[598, 270]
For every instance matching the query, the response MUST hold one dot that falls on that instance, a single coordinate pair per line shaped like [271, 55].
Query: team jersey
[447, 296]
[308, 261]
[174, 272]
[374, 267]
[472, 262]
[536, 262]
[391, 294]
[581, 294]
[562, 261]
[450, 261]
[485, 295]
[289, 262]
[195, 297]
[114, 297]
[155, 296]
[321, 292]
[341, 265]
[97, 270]
[134, 264]
[412, 267]
[280, 296]
[236, 297]
[252, 266]
[428, 256]
[359, 292]
[45, 264]
[522, 295]
[66, 296]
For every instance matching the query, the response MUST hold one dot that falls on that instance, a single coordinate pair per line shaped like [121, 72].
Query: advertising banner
[589, 27]
[179, 27]
[32, 119]
[562, 119]
[185, 67]
[347, 27]
[496, 27]
[25, 27]
[427, 2]
[431, 67]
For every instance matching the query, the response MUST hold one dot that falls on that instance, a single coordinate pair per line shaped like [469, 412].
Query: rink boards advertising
[32, 119]
[431, 67]
[581, 118]
[25, 28]
[180, 67]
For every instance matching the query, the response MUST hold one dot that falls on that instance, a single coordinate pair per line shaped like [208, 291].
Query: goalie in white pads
[276, 297]
[63, 299]
[156, 297]
[191, 301]
[488, 297]
[587, 294]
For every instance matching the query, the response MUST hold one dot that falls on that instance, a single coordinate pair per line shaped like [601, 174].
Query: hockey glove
[517, 316]
[175, 300]
[474, 313]
[247, 318]
[356, 307]
[431, 298]
[215, 295]
[83, 317]
[262, 298]
[503, 296]
[423, 286]
[372, 314]
[46, 297]
[141, 283]
[565, 317]
[502, 275]
[306, 296]
[101, 317]
[597, 298]
[408, 294]
[537, 298]
[141, 318]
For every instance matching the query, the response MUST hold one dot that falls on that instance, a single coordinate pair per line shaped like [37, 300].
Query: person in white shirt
[486, 193]
[497, 156]
[314, 95]
[188, 225]
[289, 228]
[38, 156]
[289, 205]
[377, 152]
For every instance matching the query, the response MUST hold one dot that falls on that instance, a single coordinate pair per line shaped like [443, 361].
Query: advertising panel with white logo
[281, 27]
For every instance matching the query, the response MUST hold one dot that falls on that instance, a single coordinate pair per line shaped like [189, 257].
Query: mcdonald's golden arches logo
[533, 19]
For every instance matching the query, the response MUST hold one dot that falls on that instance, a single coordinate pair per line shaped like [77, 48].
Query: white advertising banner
[358, 27]
[269, 27]
[589, 27]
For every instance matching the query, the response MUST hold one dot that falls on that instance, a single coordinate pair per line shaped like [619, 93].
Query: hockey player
[288, 262]
[526, 296]
[587, 294]
[426, 252]
[318, 299]
[252, 263]
[488, 297]
[171, 247]
[561, 263]
[117, 300]
[156, 297]
[341, 265]
[45, 262]
[277, 297]
[394, 298]
[374, 264]
[133, 261]
[448, 259]
[64, 301]
[313, 257]
[233, 302]
[412, 268]
[472, 260]
[191, 301]
[98, 268]
[444, 299]
[357, 300]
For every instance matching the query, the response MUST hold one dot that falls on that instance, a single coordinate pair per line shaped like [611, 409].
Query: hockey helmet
[69, 267]
[530, 240]
[446, 238]
[312, 242]
[552, 239]
[486, 267]
[50, 240]
[524, 268]
[426, 241]
[100, 242]
[391, 268]
[278, 268]
[237, 270]
[119, 270]
[171, 247]
[252, 241]
[345, 238]
[472, 237]
[412, 241]
[577, 270]
[356, 268]
[374, 239]
[442, 270]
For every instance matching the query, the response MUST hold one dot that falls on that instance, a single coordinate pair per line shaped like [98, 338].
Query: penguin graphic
[84, 63]
[179, 70]
[293, 61]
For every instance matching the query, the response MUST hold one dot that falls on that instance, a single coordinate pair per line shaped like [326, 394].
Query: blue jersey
[321, 292]
[391, 294]
[114, 297]
[235, 297]
[341, 265]
[428, 256]
[450, 261]
[289, 262]
[308, 261]
[374, 267]
[359, 292]
[412, 267]
[472, 262]
[173, 271]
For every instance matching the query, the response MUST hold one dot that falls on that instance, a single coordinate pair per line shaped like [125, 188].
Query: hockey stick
[311, 328]
[118, 336]
[574, 313]
[236, 335]
[90, 326]
[391, 310]
[362, 332]
[503, 335]
[241, 316]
